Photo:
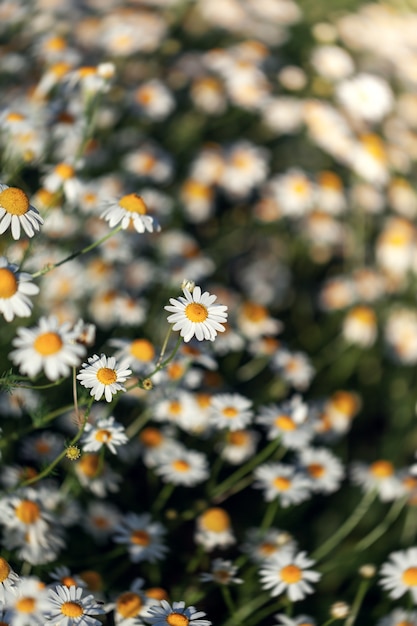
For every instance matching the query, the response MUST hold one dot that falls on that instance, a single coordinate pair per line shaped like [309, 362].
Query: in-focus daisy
[103, 376]
[15, 287]
[68, 607]
[230, 410]
[16, 212]
[142, 536]
[399, 574]
[178, 613]
[196, 315]
[289, 572]
[130, 211]
[49, 346]
[8, 579]
[222, 572]
[106, 432]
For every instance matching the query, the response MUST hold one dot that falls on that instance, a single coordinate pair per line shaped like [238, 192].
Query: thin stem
[357, 603]
[163, 497]
[77, 253]
[248, 609]
[270, 514]
[228, 600]
[164, 346]
[383, 526]
[346, 527]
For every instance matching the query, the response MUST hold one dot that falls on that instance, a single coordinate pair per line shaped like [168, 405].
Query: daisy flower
[8, 579]
[15, 287]
[289, 572]
[214, 529]
[399, 574]
[103, 376]
[68, 607]
[262, 546]
[16, 212]
[399, 617]
[301, 620]
[143, 537]
[284, 482]
[222, 572]
[30, 604]
[230, 410]
[48, 346]
[130, 210]
[178, 613]
[183, 467]
[106, 432]
[196, 315]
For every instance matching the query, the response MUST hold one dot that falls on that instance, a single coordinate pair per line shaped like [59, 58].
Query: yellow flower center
[382, 469]
[4, 569]
[106, 376]
[68, 581]
[230, 411]
[254, 312]
[402, 623]
[291, 574]
[282, 483]
[27, 512]
[14, 116]
[196, 312]
[345, 402]
[8, 283]
[177, 619]
[215, 520]
[203, 400]
[65, 171]
[316, 470]
[14, 201]
[330, 180]
[56, 44]
[72, 609]
[237, 437]
[364, 315]
[157, 593]
[89, 464]
[128, 604]
[267, 548]
[195, 190]
[410, 577]
[284, 422]
[103, 435]
[180, 465]
[151, 437]
[140, 538]
[25, 605]
[142, 349]
[133, 203]
[48, 343]
[175, 371]
[92, 579]
[174, 407]
[86, 70]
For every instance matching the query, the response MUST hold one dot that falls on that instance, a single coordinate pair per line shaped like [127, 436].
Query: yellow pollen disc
[140, 538]
[291, 574]
[268, 548]
[177, 619]
[100, 522]
[203, 400]
[402, 623]
[14, 201]
[128, 604]
[175, 371]
[281, 483]
[64, 171]
[133, 203]
[103, 435]
[329, 180]
[72, 609]
[106, 376]
[68, 581]
[48, 343]
[145, 95]
[157, 593]
[56, 44]
[142, 349]
[237, 437]
[284, 422]
[364, 314]
[409, 577]
[180, 465]
[216, 520]
[382, 469]
[174, 407]
[8, 283]
[27, 511]
[196, 312]
[344, 402]
[13, 116]
[60, 69]
[374, 145]
[151, 437]
[92, 579]
[254, 312]
[4, 569]
[230, 411]
[316, 470]
[89, 464]
[195, 190]
[87, 70]
[25, 605]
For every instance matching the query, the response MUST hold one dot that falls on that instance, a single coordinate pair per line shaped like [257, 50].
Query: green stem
[164, 346]
[74, 255]
[245, 469]
[228, 600]
[383, 526]
[251, 608]
[346, 527]
[163, 497]
[357, 603]
[270, 514]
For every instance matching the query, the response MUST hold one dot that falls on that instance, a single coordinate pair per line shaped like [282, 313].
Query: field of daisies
[208, 313]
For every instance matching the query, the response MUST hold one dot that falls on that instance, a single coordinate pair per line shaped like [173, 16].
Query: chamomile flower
[214, 529]
[196, 315]
[142, 537]
[15, 289]
[49, 346]
[222, 572]
[178, 613]
[230, 410]
[129, 211]
[282, 481]
[289, 572]
[399, 574]
[106, 432]
[68, 607]
[103, 376]
[29, 605]
[16, 212]
[183, 467]
[8, 579]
